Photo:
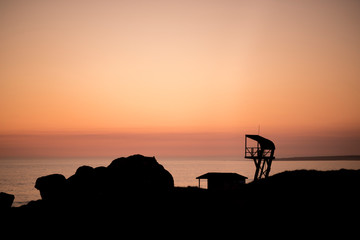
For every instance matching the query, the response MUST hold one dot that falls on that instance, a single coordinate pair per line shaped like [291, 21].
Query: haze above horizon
[181, 77]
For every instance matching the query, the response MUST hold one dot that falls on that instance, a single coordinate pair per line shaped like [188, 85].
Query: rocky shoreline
[139, 187]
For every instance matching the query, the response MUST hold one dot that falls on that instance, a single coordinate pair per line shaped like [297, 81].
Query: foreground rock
[51, 187]
[312, 185]
[139, 173]
[125, 179]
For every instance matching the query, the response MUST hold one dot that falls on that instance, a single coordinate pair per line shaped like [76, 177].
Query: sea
[18, 175]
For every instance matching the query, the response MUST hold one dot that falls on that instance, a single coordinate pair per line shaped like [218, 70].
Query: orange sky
[184, 67]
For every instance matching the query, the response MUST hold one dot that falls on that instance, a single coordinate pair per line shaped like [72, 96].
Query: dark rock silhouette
[83, 183]
[6, 200]
[305, 182]
[304, 192]
[139, 173]
[51, 187]
[124, 179]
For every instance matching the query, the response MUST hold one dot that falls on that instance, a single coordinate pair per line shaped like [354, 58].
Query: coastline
[321, 158]
[105, 196]
[184, 170]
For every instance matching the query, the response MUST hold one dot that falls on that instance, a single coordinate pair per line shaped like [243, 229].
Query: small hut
[223, 181]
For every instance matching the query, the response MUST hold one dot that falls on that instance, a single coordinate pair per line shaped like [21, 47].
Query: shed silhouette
[223, 181]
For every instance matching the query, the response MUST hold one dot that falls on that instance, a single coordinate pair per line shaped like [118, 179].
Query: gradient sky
[155, 76]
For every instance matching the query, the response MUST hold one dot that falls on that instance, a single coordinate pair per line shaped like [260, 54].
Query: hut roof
[217, 175]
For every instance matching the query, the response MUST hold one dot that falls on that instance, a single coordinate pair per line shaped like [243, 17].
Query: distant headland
[322, 158]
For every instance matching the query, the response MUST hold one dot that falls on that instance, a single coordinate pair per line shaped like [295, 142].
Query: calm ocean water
[18, 176]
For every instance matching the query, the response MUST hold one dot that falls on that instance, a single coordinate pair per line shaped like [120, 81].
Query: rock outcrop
[124, 178]
[139, 173]
[51, 187]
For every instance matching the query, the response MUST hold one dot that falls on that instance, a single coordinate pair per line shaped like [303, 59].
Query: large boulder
[139, 174]
[83, 182]
[52, 187]
[124, 179]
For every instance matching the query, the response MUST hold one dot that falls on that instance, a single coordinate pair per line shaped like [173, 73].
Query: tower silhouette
[262, 155]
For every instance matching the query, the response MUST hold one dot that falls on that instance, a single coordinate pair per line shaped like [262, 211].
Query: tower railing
[255, 152]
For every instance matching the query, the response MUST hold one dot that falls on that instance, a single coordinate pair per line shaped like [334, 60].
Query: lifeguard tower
[261, 150]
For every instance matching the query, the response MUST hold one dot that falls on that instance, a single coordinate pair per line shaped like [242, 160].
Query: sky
[91, 78]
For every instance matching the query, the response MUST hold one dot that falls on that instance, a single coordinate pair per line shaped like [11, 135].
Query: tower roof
[264, 142]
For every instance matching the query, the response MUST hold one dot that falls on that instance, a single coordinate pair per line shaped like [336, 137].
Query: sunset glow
[195, 76]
